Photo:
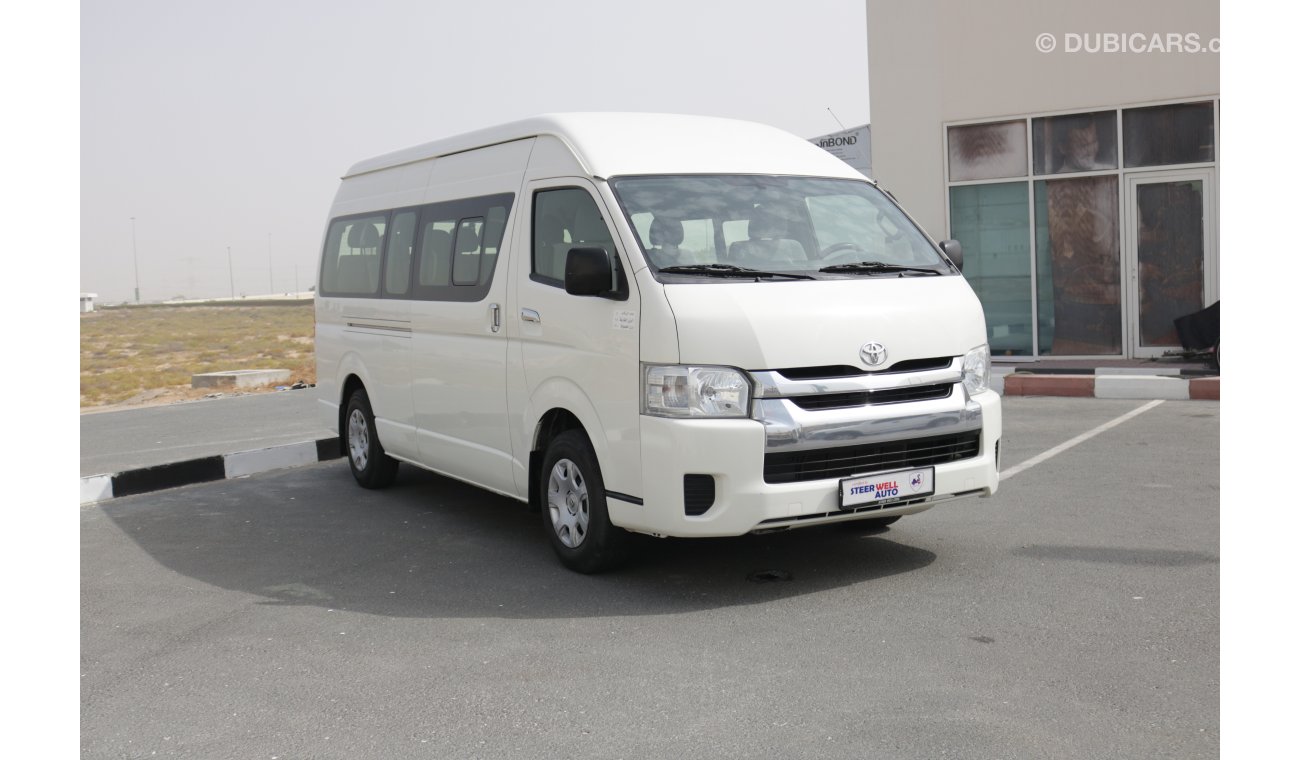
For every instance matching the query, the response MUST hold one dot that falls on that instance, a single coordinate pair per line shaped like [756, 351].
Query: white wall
[937, 61]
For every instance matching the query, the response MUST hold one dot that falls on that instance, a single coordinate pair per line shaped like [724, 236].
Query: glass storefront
[1039, 206]
[992, 223]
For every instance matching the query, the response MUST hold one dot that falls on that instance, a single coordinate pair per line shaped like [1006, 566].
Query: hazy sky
[228, 124]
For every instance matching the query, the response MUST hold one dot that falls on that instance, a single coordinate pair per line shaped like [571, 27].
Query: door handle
[496, 317]
[529, 315]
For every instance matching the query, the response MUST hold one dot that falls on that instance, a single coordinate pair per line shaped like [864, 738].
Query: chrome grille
[890, 396]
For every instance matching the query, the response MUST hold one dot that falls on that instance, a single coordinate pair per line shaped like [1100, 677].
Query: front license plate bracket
[881, 488]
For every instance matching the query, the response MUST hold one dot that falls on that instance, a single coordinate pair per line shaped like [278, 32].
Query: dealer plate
[886, 487]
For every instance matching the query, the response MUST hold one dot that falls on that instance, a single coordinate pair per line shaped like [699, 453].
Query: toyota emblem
[873, 354]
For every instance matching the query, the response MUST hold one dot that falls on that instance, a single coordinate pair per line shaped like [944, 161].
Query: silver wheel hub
[566, 499]
[358, 439]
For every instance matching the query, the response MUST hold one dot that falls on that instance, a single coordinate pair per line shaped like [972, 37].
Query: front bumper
[733, 451]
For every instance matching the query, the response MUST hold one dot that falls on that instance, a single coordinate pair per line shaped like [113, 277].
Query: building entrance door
[1169, 255]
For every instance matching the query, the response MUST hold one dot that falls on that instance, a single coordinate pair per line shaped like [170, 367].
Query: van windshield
[700, 225]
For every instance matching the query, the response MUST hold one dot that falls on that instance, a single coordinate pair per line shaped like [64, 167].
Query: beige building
[1072, 149]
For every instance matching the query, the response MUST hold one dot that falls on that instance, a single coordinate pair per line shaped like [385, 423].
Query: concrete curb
[1114, 385]
[95, 488]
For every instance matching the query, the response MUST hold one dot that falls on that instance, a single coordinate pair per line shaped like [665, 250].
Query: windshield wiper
[728, 270]
[876, 266]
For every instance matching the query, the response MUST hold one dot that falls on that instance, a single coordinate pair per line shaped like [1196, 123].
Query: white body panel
[767, 325]
[463, 387]
[581, 356]
[458, 368]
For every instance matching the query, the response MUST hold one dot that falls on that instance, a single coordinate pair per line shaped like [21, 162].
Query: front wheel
[575, 514]
[370, 465]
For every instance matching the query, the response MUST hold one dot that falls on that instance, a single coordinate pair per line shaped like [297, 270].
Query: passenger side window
[350, 265]
[397, 261]
[435, 251]
[458, 248]
[469, 252]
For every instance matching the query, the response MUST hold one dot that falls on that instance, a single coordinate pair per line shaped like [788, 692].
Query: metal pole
[135, 257]
[231, 263]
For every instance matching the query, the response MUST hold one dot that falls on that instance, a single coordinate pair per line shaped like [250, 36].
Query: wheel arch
[552, 423]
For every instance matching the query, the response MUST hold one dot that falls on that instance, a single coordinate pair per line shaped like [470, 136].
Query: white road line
[1075, 441]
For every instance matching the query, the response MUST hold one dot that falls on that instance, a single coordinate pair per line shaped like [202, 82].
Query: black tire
[370, 465]
[585, 541]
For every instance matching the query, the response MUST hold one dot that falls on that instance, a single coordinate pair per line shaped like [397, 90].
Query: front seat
[768, 242]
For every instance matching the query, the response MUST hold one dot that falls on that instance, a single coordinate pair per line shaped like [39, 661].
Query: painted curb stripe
[96, 488]
[1108, 386]
[1133, 371]
[170, 475]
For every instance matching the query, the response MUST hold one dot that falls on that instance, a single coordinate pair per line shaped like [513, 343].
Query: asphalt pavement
[129, 438]
[293, 614]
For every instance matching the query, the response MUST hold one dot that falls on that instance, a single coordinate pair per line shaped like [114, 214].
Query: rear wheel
[370, 465]
[575, 513]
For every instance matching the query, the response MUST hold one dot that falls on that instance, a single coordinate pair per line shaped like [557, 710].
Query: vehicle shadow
[436, 548]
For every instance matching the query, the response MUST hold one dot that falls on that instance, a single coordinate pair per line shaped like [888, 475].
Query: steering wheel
[839, 251]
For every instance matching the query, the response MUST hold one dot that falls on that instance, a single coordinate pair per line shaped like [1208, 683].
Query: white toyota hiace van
[672, 325]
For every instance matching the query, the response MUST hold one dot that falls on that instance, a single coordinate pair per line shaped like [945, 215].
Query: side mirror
[589, 272]
[952, 249]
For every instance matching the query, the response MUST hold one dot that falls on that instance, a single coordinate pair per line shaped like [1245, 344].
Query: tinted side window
[397, 261]
[458, 247]
[469, 252]
[350, 265]
[435, 249]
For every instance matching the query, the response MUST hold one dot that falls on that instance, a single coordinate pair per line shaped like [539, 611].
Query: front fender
[617, 450]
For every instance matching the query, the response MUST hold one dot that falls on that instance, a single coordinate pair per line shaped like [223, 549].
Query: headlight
[678, 391]
[975, 370]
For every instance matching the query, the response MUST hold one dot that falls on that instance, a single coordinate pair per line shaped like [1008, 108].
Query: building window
[1081, 142]
[1077, 226]
[1165, 135]
[1044, 234]
[992, 223]
[987, 151]
[1170, 240]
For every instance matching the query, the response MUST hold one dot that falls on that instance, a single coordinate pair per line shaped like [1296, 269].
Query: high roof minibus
[645, 323]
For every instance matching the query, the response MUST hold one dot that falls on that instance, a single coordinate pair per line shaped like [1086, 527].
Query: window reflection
[987, 151]
[1076, 143]
[1077, 221]
[1162, 135]
[992, 223]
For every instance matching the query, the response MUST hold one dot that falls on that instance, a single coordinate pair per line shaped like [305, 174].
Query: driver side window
[565, 218]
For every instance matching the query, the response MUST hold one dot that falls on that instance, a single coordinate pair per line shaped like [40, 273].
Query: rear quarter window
[351, 263]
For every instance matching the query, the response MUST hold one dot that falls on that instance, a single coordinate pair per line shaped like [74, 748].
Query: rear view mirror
[589, 272]
[952, 249]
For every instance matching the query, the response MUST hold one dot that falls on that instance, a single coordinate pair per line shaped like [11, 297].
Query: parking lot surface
[293, 614]
[128, 438]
